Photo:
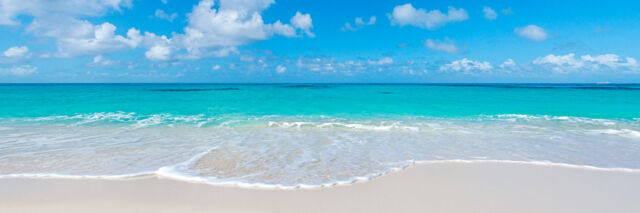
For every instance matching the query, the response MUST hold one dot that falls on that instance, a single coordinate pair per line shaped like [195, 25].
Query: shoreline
[439, 187]
[161, 174]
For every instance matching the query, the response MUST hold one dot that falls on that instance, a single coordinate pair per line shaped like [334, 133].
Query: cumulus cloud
[569, 62]
[59, 19]
[229, 25]
[441, 46]
[43, 9]
[21, 70]
[359, 23]
[218, 31]
[531, 32]
[466, 65]
[563, 64]
[98, 39]
[160, 14]
[408, 15]
[211, 31]
[158, 53]
[508, 64]
[16, 52]
[303, 22]
[610, 60]
[216, 67]
[489, 13]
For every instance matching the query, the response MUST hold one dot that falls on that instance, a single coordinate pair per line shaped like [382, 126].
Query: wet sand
[439, 187]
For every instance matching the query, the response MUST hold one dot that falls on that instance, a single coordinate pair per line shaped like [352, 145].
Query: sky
[289, 41]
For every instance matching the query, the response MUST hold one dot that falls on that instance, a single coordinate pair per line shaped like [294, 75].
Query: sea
[309, 135]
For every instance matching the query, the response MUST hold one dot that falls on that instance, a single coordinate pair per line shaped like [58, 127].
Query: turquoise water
[308, 134]
[364, 101]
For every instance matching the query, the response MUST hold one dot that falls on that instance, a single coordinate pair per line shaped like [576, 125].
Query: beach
[319, 148]
[424, 187]
[358, 106]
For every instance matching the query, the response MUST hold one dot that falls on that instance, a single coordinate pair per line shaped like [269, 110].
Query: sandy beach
[439, 187]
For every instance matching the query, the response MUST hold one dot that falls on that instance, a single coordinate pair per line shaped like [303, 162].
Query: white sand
[443, 187]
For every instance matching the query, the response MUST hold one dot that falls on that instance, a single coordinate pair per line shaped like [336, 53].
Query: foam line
[535, 163]
[170, 172]
[67, 176]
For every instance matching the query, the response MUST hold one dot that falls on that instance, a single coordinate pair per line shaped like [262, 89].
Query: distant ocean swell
[301, 151]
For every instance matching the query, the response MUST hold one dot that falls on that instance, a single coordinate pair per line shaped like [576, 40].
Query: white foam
[536, 163]
[620, 132]
[170, 172]
[68, 176]
[357, 126]
[263, 151]
[516, 117]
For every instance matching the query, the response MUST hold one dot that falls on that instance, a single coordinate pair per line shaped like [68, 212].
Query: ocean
[309, 135]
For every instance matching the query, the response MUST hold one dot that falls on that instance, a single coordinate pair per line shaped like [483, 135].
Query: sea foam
[301, 151]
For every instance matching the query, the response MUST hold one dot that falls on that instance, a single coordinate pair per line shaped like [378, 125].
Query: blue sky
[267, 41]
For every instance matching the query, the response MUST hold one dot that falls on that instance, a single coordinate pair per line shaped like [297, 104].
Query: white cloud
[466, 65]
[531, 32]
[359, 23]
[95, 40]
[508, 64]
[610, 60]
[565, 63]
[382, 61]
[329, 65]
[160, 14]
[16, 51]
[210, 31]
[158, 53]
[216, 67]
[59, 19]
[489, 13]
[43, 9]
[281, 69]
[218, 31]
[441, 46]
[21, 70]
[165, 1]
[408, 15]
[99, 60]
[316, 64]
[303, 22]
[561, 61]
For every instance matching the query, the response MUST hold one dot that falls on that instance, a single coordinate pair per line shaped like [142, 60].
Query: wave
[386, 123]
[524, 117]
[382, 126]
[171, 172]
[620, 132]
[261, 151]
[68, 176]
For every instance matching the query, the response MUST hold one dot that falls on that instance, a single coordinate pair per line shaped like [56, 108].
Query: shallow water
[310, 135]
